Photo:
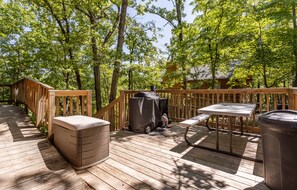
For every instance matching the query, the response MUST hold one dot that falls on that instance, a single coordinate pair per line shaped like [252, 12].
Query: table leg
[241, 125]
[185, 136]
[217, 136]
[230, 133]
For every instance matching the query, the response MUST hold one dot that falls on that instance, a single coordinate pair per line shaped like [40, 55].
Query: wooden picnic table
[232, 110]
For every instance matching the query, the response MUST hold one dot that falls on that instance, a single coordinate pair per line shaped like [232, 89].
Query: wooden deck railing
[111, 113]
[45, 102]
[183, 104]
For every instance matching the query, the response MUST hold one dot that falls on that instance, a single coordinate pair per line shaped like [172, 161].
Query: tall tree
[213, 37]
[294, 39]
[175, 18]
[96, 11]
[119, 51]
[141, 53]
[61, 13]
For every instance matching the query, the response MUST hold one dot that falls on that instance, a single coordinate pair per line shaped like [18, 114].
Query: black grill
[145, 111]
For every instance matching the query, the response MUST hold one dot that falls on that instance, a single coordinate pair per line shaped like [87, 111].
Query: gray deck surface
[137, 161]
[27, 159]
[164, 161]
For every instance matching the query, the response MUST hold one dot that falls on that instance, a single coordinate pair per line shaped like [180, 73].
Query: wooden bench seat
[193, 121]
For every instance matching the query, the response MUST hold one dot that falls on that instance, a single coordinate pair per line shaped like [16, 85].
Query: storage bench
[83, 140]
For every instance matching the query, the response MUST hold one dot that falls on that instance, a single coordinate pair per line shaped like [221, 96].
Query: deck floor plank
[108, 178]
[27, 159]
[167, 160]
[173, 167]
[136, 161]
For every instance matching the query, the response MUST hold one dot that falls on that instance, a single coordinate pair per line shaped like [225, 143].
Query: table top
[229, 109]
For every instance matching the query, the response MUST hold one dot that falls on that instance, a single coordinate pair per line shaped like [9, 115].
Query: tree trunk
[130, 79]
[181, 38]
[96, 63]
[119, 51]
[77, 73]
[294, 41]
[265, 76]
[78, 79]
[212, 66]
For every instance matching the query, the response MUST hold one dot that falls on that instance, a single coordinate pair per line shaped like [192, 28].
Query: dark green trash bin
[279, 141]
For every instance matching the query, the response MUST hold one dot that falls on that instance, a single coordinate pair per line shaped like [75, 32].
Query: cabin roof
[203, 72]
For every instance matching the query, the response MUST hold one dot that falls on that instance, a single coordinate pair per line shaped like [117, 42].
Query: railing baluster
[70, 105]
[64, 106]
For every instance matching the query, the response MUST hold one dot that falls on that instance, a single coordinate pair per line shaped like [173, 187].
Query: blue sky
[166, 28]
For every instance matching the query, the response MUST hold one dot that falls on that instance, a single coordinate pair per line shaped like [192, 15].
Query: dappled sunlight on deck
[27, 159]
[144, 161]
[137, 161]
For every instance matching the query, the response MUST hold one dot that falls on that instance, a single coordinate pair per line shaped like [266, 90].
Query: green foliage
[51, 41]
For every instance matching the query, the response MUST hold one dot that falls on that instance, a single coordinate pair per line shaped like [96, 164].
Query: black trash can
[279, 141]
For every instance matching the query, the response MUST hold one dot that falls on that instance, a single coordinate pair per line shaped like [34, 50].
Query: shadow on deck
[27, 159]
[140, 161]
[137, 161]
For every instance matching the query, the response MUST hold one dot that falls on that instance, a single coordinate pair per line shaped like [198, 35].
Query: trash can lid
[79, 122]
[282, 117]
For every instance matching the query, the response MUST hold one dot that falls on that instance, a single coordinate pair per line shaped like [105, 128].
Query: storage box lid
[79, 122]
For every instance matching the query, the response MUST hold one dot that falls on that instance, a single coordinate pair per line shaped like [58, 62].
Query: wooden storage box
[83, 140]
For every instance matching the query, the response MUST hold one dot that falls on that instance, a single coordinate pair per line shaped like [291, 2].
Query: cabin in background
[200, 78]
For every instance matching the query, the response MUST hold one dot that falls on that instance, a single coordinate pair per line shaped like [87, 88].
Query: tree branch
[50, 8]
[162, 16]
[82, 10]
[114, 26]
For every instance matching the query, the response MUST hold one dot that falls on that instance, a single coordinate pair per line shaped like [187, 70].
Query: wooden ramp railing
[111, 113]
[45, 102]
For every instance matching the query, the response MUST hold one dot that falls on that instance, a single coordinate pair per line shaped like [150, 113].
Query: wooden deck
[27, 159]
[137, 161]
[140, 161]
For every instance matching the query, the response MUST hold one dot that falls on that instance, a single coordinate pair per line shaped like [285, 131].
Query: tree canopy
[95, 45]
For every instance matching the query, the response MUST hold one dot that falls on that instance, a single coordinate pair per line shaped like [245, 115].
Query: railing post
[89, 103]
[51, 111]
[292, 99]
[122, 110]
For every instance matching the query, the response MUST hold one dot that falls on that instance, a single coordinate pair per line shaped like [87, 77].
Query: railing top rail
[242, 90]
[110, 105]
[34, 81]
[71, 92]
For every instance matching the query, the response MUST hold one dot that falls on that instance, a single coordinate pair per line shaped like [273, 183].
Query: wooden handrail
[183, 104]
[111, 113]
[102, 111]
[45, 102]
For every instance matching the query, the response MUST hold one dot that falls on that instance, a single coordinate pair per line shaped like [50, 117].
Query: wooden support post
[51, 111]
[122, 110]
[89, 103]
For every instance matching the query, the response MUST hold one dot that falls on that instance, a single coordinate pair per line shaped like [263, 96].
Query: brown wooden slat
[77, 105]
[70, 105]
[28, 160]
[83, 105]
[64, 106]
